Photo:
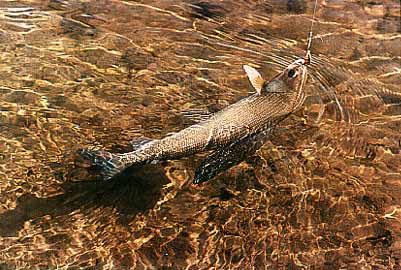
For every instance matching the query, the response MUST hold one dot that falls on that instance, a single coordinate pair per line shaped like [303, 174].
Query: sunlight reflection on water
[324, 192]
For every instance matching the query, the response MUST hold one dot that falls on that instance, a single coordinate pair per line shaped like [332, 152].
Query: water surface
[323, 193]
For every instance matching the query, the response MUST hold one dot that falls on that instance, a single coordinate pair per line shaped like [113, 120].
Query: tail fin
[110, 164]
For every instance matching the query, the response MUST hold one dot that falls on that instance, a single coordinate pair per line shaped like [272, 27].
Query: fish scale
[239, 122]
[250, 116]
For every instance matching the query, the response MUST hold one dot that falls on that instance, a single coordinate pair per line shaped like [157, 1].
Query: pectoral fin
[254, 77]
[229, 156]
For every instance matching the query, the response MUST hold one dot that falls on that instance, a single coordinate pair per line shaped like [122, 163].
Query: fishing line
[307, 57]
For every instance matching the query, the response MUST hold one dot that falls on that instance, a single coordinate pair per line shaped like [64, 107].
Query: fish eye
[292, 73]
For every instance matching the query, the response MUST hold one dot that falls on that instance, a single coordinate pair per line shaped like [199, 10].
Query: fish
[240, 127]
[236, 152]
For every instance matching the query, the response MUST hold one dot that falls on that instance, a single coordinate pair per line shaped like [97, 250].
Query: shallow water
[323, 193]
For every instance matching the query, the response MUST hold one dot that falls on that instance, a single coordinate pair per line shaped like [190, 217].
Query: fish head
[291, 79]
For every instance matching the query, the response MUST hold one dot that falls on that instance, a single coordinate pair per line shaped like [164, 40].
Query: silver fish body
[248, 116]
[273, 102]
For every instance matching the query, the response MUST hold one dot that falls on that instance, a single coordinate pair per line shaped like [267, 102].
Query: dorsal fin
[254, 77]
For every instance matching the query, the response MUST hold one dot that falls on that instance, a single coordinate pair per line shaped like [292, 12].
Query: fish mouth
[301, 65]
[307, 58]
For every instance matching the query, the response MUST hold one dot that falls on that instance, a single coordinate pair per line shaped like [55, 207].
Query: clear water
[323, 193]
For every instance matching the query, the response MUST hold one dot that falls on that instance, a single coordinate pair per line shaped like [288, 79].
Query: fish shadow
[132, 192]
